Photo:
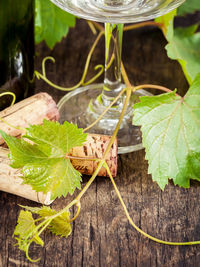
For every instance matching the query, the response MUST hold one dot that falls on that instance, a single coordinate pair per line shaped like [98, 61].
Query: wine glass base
[83, 106]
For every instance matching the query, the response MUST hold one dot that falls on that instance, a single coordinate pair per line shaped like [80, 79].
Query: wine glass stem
[113, 48]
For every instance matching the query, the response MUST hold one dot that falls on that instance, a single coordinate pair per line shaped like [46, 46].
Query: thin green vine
[105, 111]
[153, 86]
[12, 103]
[136, 227]
[9, 93]
[82, 81]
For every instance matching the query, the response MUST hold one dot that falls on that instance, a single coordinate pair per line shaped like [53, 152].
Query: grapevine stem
[92, 27]
[137, 228]
[72, 203]
[101, 163]
[143, 24]
[12, 103]
[78, 198]
[10, 125]
[98, 26]
[101, 67]
[50, 218]
[152, 86]
[45, 223]
[105, 111]
[44, 63]
[125, 77]
[133, 26]
[81, 158]
[90, 55]
[28, 257]
[43, 75]
[77, 213]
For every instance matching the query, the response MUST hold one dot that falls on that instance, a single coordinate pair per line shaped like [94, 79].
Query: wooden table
[102, 236]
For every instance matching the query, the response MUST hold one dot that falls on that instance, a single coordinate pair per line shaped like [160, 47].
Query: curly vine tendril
[12, 103]
[9, 93]
[82, 81]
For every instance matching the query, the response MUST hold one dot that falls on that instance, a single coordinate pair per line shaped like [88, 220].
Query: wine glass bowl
[84, 105]
[118, 11]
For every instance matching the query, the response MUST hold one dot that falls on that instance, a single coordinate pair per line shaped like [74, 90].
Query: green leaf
[189, 6]
[193, 161]
[28, 229]
[54, 138]
[167, 20]
[51, 22]
[185, 47]
[43, 163]
[25, 232]
[60, 225]
[171, 135]
[22, 152]
[55, 175]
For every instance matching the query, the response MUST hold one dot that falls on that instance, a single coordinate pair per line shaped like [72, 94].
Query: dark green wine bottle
[16, 49]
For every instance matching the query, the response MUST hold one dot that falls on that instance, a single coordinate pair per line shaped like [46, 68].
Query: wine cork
[32, 110]
[94, 148]
[11, 182]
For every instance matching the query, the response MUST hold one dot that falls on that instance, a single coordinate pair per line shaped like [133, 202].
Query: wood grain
[101, 236]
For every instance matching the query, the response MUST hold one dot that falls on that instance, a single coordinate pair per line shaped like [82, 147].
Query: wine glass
[85, 104]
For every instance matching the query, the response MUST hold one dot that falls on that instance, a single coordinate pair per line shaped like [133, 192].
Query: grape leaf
[60, 225]
[189, 6]
[24, 231]
[171, 135]
[54, 138]
[168, 20]
[51, 22]
[43, 163]
[194, 162]
[57, 176]
[22, 152]
[185, 47]
[28, 229]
